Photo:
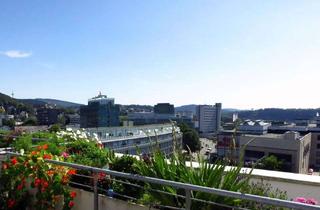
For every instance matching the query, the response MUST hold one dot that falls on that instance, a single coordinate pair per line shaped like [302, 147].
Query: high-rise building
[100, 112]
[209, 118]
[164, 108]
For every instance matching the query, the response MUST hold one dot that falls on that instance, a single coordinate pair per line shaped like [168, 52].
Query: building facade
[135, 140]
[257, 127]
[100, 112]
[164, 108]
[209, 118]
[47, 116]
[291, 148]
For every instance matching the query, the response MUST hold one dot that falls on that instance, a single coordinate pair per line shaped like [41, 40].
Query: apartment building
[139, 139]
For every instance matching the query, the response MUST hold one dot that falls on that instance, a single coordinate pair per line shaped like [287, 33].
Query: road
[206, 144]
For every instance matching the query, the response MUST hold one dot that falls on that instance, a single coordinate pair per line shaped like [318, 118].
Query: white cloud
[16, 54]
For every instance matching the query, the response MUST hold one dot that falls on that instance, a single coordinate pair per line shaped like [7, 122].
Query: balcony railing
[188, 189]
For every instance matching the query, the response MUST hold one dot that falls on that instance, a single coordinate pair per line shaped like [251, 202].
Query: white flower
[78, 132]
[69, 129]
[22, 151]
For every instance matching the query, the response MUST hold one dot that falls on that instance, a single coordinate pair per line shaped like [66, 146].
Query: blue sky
[245, 54]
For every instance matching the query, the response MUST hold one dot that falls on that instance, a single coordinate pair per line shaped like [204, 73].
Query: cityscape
[159, 105]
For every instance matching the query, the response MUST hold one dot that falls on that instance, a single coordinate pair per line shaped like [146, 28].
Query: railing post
[188, 199]
[95, 192]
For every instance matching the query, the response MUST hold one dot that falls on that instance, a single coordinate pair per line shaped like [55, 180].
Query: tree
[271, 163]
[9, 122]
[30, 121]
[55, 128]
[190, 138]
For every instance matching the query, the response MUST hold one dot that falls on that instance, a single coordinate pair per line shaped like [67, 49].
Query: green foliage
[190, 138]
[9, 122]
[89, 153]
[55, 128]
[31, 121]
[126, 164]
[263, 189]
[270, 163]
[23, 142]
[207, 175]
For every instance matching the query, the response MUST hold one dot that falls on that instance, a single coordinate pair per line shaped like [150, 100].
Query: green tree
[271, 163]
[55, 128]
[190, 138]
[9, 122]
[30, 121]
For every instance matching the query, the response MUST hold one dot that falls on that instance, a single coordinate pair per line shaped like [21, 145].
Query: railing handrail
[187, 186]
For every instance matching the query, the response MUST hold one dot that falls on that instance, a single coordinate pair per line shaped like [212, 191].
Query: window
[318, 137]
[318, 146]
[318, 154]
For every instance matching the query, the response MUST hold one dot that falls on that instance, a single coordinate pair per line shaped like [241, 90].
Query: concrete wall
[296, 185]
[84, 201]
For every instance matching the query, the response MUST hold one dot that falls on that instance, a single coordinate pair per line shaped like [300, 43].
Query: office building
[209, 118]
[100, 112]
[164, 108]
[73, 119]
[291, 148]
[47, 116]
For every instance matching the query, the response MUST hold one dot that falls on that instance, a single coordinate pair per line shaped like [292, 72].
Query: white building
[257, 127]
[209, 118]
[139, 139]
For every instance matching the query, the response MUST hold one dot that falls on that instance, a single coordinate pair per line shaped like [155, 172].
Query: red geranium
[72, 172]
[14, 161]
[45, 146]
[20, 186]
[71, 204]
[37, 182]
[47, 156]
[11, 203]
[73, 194]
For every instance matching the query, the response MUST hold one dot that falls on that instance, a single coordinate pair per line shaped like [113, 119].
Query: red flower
[39, 147]
[11, 203]
[47, 156]
[71, 172]
[45, 184]
[14, 161]
[34, 152]
[71, 204]
[37, 182]
[45, 146]
[102, 175]
[20, 186]
[73, 194]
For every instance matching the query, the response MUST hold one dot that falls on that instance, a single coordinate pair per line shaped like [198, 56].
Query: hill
[279, 114]
[187, 108]
[13, 106]
[42, 101]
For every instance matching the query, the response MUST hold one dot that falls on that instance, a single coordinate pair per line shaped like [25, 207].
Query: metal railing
[188, 189]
